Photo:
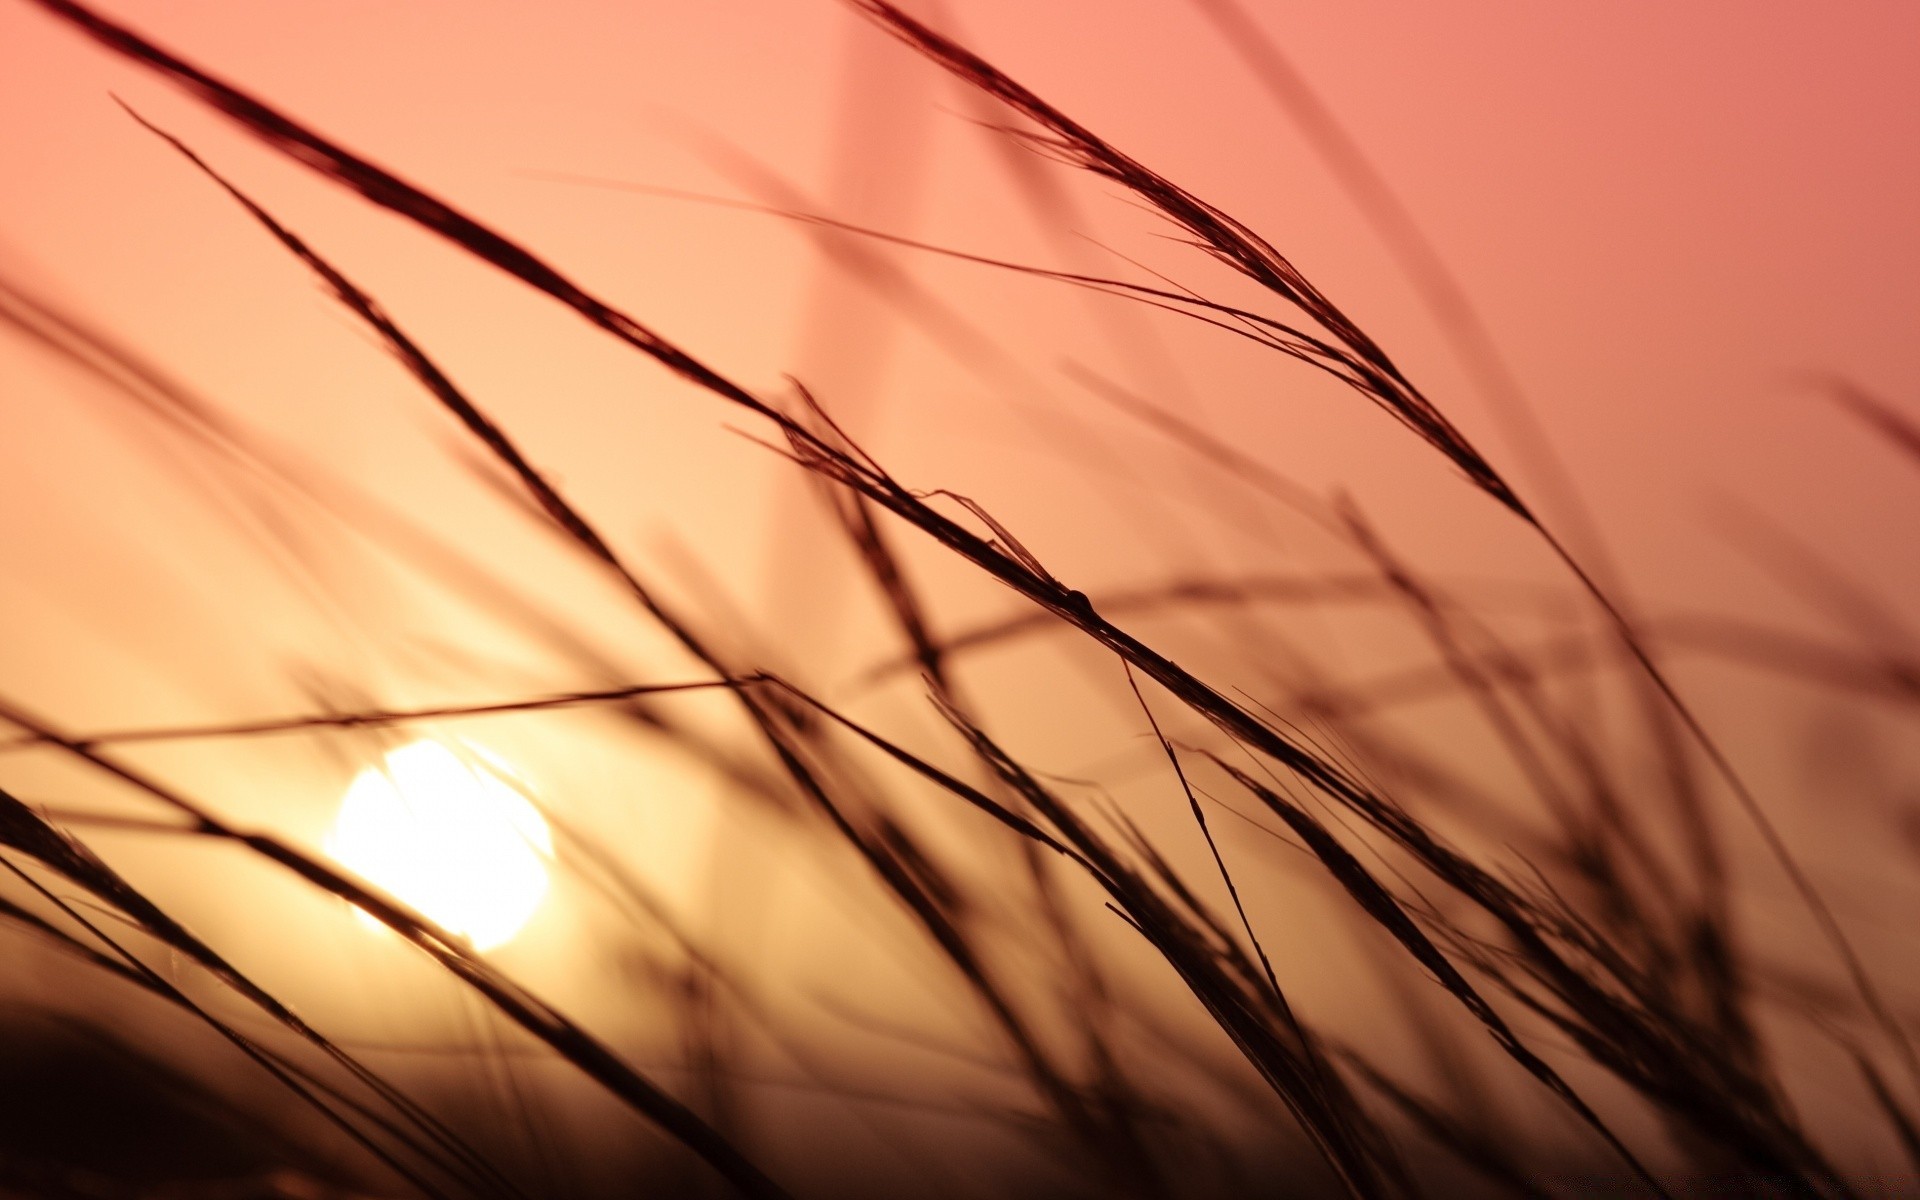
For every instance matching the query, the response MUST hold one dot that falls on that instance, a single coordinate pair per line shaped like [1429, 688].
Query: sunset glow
[446, 834]
[1157, 601]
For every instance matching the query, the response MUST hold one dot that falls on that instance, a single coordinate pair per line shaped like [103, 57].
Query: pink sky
[1668, 215]
[1673, 218]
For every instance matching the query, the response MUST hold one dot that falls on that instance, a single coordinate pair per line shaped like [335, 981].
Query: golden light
[446, 833]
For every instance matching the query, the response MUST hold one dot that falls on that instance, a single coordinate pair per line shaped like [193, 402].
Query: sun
[447, 833]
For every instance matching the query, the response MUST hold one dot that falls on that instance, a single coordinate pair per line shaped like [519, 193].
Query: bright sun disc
[448, 835]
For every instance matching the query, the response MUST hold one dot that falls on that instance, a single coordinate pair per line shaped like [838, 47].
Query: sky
[1680, 224]
[1677, 224]
[1672, 219]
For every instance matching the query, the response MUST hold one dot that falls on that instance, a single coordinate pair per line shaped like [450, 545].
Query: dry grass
[1594, 965]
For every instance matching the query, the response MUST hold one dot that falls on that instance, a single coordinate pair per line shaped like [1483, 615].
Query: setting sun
[445, 832]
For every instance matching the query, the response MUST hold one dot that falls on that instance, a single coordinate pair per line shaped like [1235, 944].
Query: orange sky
[1672, 218]
[1666, 213]
[1669, 216]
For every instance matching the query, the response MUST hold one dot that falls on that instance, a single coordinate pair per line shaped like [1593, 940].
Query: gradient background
[1671, 217]
[1676, 220]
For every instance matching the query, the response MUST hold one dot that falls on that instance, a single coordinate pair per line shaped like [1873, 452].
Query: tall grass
[1576, 1004]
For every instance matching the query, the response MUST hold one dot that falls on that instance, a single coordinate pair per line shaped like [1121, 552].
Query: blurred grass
[1532, 874]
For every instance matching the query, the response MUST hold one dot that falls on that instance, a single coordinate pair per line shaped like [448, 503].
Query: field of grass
[1284, 858]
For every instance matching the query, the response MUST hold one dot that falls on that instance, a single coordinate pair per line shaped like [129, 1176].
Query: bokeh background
[1685, 227]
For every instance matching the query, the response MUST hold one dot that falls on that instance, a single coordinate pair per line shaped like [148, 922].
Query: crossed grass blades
[1634, 966]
